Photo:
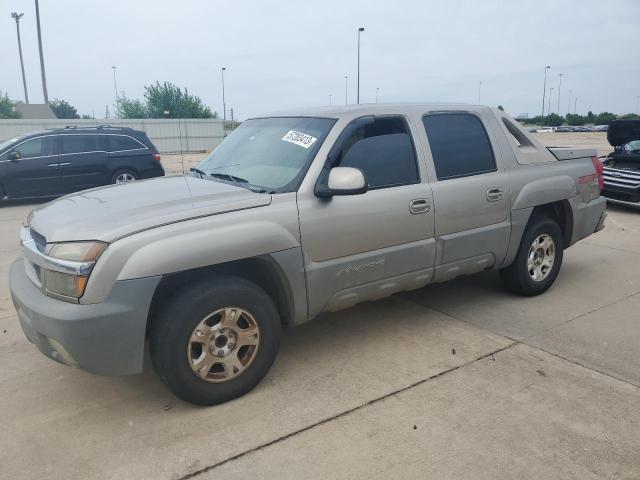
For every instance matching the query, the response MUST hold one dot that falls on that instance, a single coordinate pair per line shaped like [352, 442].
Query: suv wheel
[124, 176]
[538, 260]
[215, 340]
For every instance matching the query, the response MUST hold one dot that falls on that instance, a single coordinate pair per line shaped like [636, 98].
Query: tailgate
[570, 153]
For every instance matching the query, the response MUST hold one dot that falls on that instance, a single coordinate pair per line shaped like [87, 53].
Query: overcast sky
[282, 54]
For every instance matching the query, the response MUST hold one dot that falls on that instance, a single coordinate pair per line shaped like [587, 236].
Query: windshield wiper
[198, 171]
[226, 176]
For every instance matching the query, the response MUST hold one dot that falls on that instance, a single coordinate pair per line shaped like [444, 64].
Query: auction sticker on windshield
[301, 139]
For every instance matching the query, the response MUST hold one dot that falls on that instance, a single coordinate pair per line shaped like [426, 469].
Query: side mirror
[346, 181]
[14, 155]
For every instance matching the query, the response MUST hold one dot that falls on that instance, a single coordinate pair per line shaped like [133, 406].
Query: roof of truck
[336, 111]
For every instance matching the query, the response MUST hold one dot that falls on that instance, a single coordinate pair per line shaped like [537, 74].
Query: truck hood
[109, 213]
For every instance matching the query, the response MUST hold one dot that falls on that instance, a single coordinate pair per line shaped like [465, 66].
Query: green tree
[553, 120]
[575, 120]
[85, 116]
[6, 107]
[63, 109]
[167, 97]
[629, 116]
[590, 118]
[132, 108]
[604, 118]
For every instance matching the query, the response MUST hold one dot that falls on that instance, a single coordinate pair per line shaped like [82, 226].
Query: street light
[544, 88]
[346, 79]
[479, 89]
[377, 90]
[330, 103]
[559, 87]
[550, 95]
[575, 105]
[224, 105]
[44, 78]
[115, 88]
[361, 29]
[569, 104]
[17, 16]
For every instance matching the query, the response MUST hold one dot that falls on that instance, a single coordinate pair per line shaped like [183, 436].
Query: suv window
[79, 143]
[121, 142]
[36, 147]
[459, 145]
[384, 151]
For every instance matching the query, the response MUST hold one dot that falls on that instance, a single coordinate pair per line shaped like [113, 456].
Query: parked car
[622, 166]
[65, 160]
[295, 214]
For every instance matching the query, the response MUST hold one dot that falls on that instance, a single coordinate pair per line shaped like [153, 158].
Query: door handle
[53, 165]
[419, 205]
[494, 194]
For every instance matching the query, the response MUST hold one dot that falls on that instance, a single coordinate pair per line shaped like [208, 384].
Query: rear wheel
[124, 176]
[538, 260]
[215, 340]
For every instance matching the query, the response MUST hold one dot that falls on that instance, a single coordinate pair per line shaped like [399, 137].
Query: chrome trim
[36, 257]
[623, 202]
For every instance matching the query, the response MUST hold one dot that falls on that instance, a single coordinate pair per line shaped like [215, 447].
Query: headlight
[69, 284]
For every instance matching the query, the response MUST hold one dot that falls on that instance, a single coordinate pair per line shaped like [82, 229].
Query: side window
[121, 142]
[459, 145]
[79, 143]
[36, 147]
[384, 151]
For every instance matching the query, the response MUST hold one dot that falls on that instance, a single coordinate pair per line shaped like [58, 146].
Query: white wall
[168, 135]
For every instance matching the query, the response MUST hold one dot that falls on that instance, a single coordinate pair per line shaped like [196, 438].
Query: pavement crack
[344, 413]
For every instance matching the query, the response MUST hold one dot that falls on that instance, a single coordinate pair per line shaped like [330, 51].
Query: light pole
[115, 89]
[224, 105]
[346, 80]
[330, 103]
[638, 105]
[17, 16]
[550, 95]
[377, 90]
[559, 87]
[479, 90]
[569, 104]
[44, 78]
[361, 29]
[575, 105]
[544, 88]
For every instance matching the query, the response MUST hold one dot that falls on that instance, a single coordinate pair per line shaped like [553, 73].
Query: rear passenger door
[126, 152]
[471, 194]
[83, 161]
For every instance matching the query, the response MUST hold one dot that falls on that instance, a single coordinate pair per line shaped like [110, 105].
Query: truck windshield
[268, 154]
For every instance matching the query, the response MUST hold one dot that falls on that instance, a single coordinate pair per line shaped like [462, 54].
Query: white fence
[168, 135]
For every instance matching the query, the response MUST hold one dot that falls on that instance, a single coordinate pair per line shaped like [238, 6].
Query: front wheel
[215, 340]
[538, 260]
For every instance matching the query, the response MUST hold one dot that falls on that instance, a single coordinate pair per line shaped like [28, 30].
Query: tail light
[597, 164]
[156, 156]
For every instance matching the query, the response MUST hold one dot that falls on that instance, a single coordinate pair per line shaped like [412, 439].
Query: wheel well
[561, 212]
[260, 270]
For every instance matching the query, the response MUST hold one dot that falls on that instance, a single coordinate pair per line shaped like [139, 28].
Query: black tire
[516, 277]
[124, 171]
[185, 310]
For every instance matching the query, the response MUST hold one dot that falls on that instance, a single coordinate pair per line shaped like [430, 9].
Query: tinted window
[36, 147]
[79, 143]
[459, 145]
[120, 142]
[384, 151]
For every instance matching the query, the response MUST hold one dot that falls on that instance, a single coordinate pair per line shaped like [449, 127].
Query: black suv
[64, 160]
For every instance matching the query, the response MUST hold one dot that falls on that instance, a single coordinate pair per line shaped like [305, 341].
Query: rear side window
[121, 142]
[79, 143]
[36, 147]
[459, 145]
[384, 151]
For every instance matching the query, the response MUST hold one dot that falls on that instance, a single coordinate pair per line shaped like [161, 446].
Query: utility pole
[544, 88]
[44, 77]
[232, 120]
[115, 89]
[479, 90]
[559, 87]
[224, 106]
[361, 29]
[17, 16]
[346, 80]
[377, 90]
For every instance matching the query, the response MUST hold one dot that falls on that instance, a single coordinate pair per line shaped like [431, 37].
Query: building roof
[34, 111]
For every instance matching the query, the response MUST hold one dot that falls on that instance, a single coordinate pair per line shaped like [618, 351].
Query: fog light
[59, 350]
[64, 284]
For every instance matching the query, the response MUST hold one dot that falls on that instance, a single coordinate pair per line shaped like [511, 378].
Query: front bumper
[105, 338]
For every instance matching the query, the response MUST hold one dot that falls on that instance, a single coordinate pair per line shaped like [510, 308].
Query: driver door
[35, 173]
[360, 247]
